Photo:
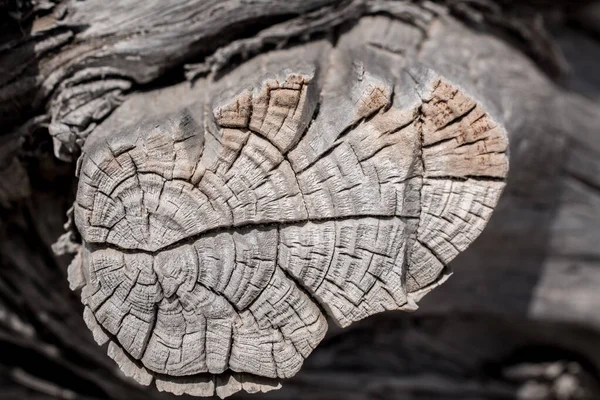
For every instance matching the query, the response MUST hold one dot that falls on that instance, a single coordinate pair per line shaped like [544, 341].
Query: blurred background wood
[517, 320]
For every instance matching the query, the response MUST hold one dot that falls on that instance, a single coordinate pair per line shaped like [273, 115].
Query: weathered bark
[534, 263]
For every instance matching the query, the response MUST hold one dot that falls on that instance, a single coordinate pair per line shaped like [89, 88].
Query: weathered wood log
[219, 238]
[65, 63]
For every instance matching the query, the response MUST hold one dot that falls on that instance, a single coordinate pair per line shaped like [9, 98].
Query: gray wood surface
[528, 280]
[218, 237]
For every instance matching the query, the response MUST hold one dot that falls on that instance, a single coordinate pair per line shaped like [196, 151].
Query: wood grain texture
[75, 62]
[536, 262]
[219, 236]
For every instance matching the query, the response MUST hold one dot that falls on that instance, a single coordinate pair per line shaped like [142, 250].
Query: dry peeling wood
[75, 60]
[219, 237]
[536, 261]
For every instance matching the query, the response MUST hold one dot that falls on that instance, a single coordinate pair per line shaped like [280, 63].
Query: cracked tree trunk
[328, 161]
